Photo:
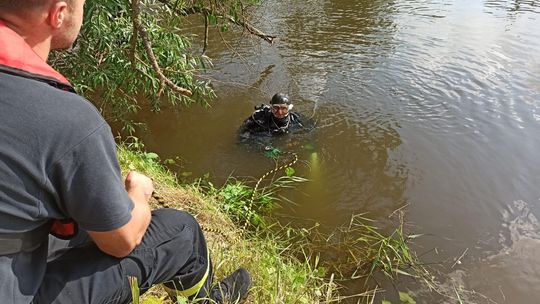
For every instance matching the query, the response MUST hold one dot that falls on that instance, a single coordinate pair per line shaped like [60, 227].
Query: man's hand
[139, 186]
[120, 242]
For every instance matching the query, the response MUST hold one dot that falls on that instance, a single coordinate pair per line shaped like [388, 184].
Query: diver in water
[274, 119]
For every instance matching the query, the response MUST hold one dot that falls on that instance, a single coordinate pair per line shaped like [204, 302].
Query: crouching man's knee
[187, 248]
[172, 248]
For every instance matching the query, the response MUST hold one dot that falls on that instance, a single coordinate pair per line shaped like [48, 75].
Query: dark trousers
[173, 250]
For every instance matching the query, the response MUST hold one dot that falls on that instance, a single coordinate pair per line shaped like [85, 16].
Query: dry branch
[205, 34]
[206, 12]
[251, 29]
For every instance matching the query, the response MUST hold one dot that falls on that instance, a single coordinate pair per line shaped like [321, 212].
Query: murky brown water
[434, 104]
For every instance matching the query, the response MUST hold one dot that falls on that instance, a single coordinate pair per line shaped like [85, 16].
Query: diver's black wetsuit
[263, 121]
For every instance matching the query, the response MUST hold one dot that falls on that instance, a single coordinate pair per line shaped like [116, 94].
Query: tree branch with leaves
[139, 30]
[133, 54]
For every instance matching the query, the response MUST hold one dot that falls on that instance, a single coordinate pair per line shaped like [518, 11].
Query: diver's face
[280, 110]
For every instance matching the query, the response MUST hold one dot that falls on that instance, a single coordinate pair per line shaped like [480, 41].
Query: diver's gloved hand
[270, 151]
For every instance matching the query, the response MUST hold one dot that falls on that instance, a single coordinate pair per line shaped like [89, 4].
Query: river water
[433, 106]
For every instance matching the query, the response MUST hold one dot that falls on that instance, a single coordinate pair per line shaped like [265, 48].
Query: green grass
[284, 261]
[277, 276]
[288, 265]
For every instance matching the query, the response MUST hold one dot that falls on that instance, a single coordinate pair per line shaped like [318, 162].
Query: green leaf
[151, 155]
[386, 302]
[135, 293]
[169, 161]
[181, 300]
[289, 171]
[404, 297]
[272, 152]
[308, 147]
[153, 300]
[212, 19]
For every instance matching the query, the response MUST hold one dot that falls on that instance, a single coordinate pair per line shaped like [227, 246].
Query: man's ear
[290, 107]
[57, 14]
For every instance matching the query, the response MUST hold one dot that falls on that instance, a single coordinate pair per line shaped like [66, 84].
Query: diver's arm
[248, 126]
[257, 122]
[296, 119]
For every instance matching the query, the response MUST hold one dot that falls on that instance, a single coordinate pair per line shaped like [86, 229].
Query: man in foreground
[59, 173]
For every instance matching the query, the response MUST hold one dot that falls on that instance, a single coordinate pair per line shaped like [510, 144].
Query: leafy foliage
[133, 157]
[236, 202]
[246, 205]
[110, 65]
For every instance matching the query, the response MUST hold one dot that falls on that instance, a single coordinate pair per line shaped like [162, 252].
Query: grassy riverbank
[278, 276]
[284, 261]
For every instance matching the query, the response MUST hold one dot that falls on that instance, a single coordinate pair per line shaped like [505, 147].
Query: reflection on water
[512, 7]
[350, 171]
[434, 104]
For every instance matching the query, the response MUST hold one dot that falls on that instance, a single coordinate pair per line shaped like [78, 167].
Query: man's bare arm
[120, 242]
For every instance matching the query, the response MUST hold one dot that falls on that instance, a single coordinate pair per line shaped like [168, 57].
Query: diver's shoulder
[261, 112]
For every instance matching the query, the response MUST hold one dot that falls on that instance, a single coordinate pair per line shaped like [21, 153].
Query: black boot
[232, 289]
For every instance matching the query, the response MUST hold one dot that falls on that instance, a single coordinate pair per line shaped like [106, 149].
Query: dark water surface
[430, 104]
